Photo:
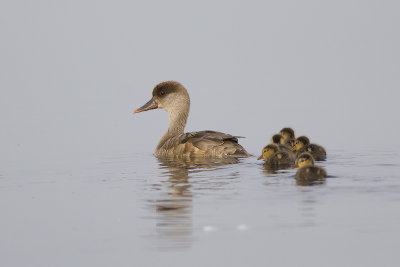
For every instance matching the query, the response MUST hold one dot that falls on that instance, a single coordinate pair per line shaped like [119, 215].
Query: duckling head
[268, 151]
[291, 142]
[276, 139]
[287, 134]
[300, 142]
[304, 159]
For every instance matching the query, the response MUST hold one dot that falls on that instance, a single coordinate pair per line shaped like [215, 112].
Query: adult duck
[174, 98]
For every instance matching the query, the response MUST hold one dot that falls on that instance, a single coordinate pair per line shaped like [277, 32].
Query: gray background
[72, 72]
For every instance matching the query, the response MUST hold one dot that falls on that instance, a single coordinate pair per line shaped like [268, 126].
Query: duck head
[170, 96]
[304, 159]
[300, 142]
[268, 151]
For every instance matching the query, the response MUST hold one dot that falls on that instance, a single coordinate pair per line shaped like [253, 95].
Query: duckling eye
[162, 92]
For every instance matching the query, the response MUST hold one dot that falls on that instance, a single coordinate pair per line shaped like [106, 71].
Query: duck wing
[214, 143]
[204, 139]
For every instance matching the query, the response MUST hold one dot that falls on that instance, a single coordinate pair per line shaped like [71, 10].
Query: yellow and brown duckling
[291, 142]
[275, 158]
[307, 173]
[287, 134]
[279, 141]
[276, 139]
[302, 144]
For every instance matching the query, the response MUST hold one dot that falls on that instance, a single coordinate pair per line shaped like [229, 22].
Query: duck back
[202, 143]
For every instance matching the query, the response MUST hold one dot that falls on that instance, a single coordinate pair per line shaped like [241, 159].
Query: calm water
[136, 210]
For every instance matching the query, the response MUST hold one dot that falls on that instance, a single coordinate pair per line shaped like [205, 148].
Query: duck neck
[177, 123]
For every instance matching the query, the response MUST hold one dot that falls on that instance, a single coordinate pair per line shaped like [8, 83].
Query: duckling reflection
[174, 209]
[307, 207]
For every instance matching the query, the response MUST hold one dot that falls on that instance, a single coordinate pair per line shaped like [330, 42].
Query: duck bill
[293, 149]
[260, 157]
[149, 105]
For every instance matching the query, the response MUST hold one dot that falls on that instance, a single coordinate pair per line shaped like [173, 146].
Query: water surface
[136, 210]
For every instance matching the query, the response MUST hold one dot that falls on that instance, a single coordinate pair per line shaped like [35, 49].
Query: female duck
[173, 98]
[302, 144]
[308, 173]
[275, 158]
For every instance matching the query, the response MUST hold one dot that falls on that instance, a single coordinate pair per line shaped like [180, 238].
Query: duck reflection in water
[174, 208]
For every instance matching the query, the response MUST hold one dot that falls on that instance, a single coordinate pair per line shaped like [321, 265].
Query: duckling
[275, 158]
[291, 142]
[287, 134]
[308, 173]
[278, 140]
[302, 144]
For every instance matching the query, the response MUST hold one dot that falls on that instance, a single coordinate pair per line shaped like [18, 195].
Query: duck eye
[162, 92]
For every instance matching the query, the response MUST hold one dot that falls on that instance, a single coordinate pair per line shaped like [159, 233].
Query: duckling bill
[174, 98]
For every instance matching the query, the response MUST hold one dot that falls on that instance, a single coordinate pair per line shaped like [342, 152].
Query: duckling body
[302, 144]
[317, 151]
[174, 98]
[275, 158]
[279, 141]
[280, 159]
[308, 174]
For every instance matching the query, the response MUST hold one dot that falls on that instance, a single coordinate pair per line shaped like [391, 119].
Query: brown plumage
[317, 151]
[278, 140]
[173, 98]
[274, 158]
[280, 159]
[287, 134]
[302, 145]
[308, 174]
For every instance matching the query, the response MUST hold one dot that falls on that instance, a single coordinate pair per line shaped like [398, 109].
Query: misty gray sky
[72, 72]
